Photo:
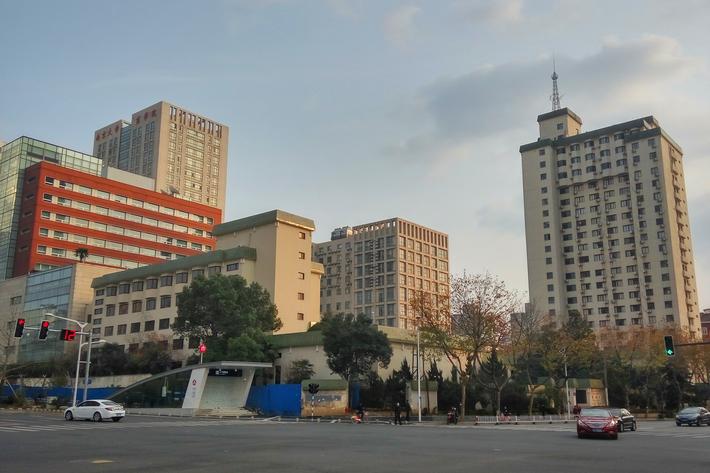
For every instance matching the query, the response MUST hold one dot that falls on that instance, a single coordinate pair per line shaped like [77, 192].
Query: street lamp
[88, 362]
[78, 354]
[564, 355]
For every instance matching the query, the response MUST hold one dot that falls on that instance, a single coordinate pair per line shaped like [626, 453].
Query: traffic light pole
[88, 363]
[78, 354]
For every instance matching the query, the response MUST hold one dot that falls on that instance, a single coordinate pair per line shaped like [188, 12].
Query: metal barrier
[515, 420]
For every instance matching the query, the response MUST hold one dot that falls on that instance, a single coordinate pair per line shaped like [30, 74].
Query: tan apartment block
[606, 224]
[272, 249]
[377, 268]
[185, 153]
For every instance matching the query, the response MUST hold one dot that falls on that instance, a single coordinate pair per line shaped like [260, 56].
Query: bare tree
[474, 321]
[525, 330]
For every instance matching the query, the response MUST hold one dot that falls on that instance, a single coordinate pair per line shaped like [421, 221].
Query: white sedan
[96, 410]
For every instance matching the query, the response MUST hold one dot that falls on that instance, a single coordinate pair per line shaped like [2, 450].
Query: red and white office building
[121, 225]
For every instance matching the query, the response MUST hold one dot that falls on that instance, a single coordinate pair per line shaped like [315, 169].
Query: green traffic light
[669, 352]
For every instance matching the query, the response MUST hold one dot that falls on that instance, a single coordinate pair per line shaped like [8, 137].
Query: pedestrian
[407, 411]
[397, 414]
[506, 414]
[360, 411]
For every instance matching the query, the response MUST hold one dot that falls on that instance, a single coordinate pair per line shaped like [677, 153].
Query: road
[45, 442]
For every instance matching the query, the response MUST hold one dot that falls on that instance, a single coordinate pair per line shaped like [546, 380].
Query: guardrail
[525, 419]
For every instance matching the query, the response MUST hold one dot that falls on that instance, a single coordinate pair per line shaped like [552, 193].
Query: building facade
[64, 291]
[606, 224]
[272, 249]
[15, 157]
[377, 268]
[185, 153]
[705, 324]
[120, 225]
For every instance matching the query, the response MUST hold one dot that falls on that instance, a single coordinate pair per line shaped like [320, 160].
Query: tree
[494, 376]
[81, 253]
[109, 359]
[151, 358]
[353, 346]
[525, 335]
[299, 371]
[474, 322]
[229, 315]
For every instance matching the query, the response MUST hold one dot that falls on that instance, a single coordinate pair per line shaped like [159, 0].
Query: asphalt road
[45, 442]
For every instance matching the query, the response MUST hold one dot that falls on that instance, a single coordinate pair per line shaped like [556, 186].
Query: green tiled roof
[326, 384]
[315, 337]
[263, 219]
[188, 262]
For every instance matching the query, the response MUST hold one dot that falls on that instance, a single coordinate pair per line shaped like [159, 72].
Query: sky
[353, 111]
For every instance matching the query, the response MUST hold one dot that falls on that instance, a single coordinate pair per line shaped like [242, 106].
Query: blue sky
[350, 111]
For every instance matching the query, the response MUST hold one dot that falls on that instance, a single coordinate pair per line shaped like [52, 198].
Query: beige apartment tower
[606, 224]
[377, 268]
[183, 152]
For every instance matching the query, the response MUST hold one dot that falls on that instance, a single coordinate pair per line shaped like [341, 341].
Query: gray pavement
[42, 442]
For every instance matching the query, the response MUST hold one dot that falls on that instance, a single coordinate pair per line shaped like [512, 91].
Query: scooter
[452, 417]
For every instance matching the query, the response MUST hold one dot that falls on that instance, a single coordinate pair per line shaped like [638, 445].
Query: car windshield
[595, 412]
[690, 410]
[109, 403]
[615, 412]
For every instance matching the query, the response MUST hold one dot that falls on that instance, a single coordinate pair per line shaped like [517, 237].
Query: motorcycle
[452, 417]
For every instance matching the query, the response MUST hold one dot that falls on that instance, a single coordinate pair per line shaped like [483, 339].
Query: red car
[597, 422]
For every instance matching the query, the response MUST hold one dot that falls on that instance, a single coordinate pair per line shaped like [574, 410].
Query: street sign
[230, 372]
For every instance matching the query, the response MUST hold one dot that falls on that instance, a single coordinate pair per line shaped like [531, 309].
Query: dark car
[624, 419]
[693, 416]
[595, 421]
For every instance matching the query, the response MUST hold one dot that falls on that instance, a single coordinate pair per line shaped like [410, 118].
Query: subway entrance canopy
[220, 386]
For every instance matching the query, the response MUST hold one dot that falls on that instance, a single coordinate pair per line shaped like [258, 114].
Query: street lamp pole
[419, 379]
[88, 362]
[78, 354]
[566, 386]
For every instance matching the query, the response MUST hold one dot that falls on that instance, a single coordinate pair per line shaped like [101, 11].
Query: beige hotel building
[377, 268]
[606, 223]
[272, 249]
[185, 153]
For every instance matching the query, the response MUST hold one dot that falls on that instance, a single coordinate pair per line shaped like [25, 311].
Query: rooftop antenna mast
[555, 97]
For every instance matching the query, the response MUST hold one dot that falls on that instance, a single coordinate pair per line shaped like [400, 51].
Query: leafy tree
[494, 376]
[151, 358]
[109, 359]
[396, 384]
[229, 315]
[81, 253]
[300, 370]
[353, 346]
[475, 321]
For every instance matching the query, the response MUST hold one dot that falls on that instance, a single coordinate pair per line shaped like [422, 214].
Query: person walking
[397, 414]
[407, 411]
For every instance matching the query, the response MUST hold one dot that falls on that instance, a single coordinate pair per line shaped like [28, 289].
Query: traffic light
[19, 327]
[43, 330]
[670, 349]
[313, 388]
[67, 335]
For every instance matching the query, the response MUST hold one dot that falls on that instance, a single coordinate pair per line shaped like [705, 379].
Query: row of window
[126, 200]
[162, 281]
[91, 258]
[135, 327]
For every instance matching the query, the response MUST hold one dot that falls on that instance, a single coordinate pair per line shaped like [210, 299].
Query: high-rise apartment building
[185, 153]
[119, 225]
[606, 223]
[377, 268]
[15, 157]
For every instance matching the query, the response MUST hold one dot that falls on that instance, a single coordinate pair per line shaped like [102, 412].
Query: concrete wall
[227, 392]
[325, 403]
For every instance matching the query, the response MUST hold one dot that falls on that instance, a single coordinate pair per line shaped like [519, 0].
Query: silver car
[96, 410]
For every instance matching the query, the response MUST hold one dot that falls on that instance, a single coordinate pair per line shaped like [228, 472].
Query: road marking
[99, 462]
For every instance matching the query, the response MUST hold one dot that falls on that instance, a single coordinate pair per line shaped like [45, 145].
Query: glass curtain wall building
[15, 157]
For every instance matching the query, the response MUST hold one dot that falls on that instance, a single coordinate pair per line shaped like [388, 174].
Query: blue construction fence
[61, 393]
[285, 399]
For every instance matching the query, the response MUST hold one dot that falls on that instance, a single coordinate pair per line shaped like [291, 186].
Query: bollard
[516, 420]
[550, 419]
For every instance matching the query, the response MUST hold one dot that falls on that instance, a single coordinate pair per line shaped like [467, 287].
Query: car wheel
[697, 422]
[677, 424]
[97, 417]
[116, 419]
[68, 416]
[580, 436]
[633, 427]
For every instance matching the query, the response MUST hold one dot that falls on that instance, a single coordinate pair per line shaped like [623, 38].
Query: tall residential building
[377, 268]
[185, 153]
[272, 249]
[120, 225]
[606, 224]
[15, 157]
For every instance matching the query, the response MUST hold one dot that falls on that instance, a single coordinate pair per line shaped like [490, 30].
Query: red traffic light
[67, 335]
[203, 348]
[43, 330]
[19, 327]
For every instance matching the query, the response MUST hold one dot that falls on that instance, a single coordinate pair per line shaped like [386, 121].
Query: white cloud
[493, 12]
[399, 24]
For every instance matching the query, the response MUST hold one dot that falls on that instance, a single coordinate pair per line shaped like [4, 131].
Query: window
[124, 288]
[150, 304]
[301, 276]
[110, 310]
[163, 324]
[181, 278]
[165, 301]
[123, 308]
[212, 270]
[135, 327]
[232, 266]
[300, 316]
[137, 306]
[121, 329]
[178, 344]
[108, 331]
[149, 326]
[151, 283]
[302, 235]
[301, 296]
[137, 286]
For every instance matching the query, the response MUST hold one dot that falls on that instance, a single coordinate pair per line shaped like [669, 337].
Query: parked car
[96, 410]
[693, 416]
[595, 421]
[624, 419]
